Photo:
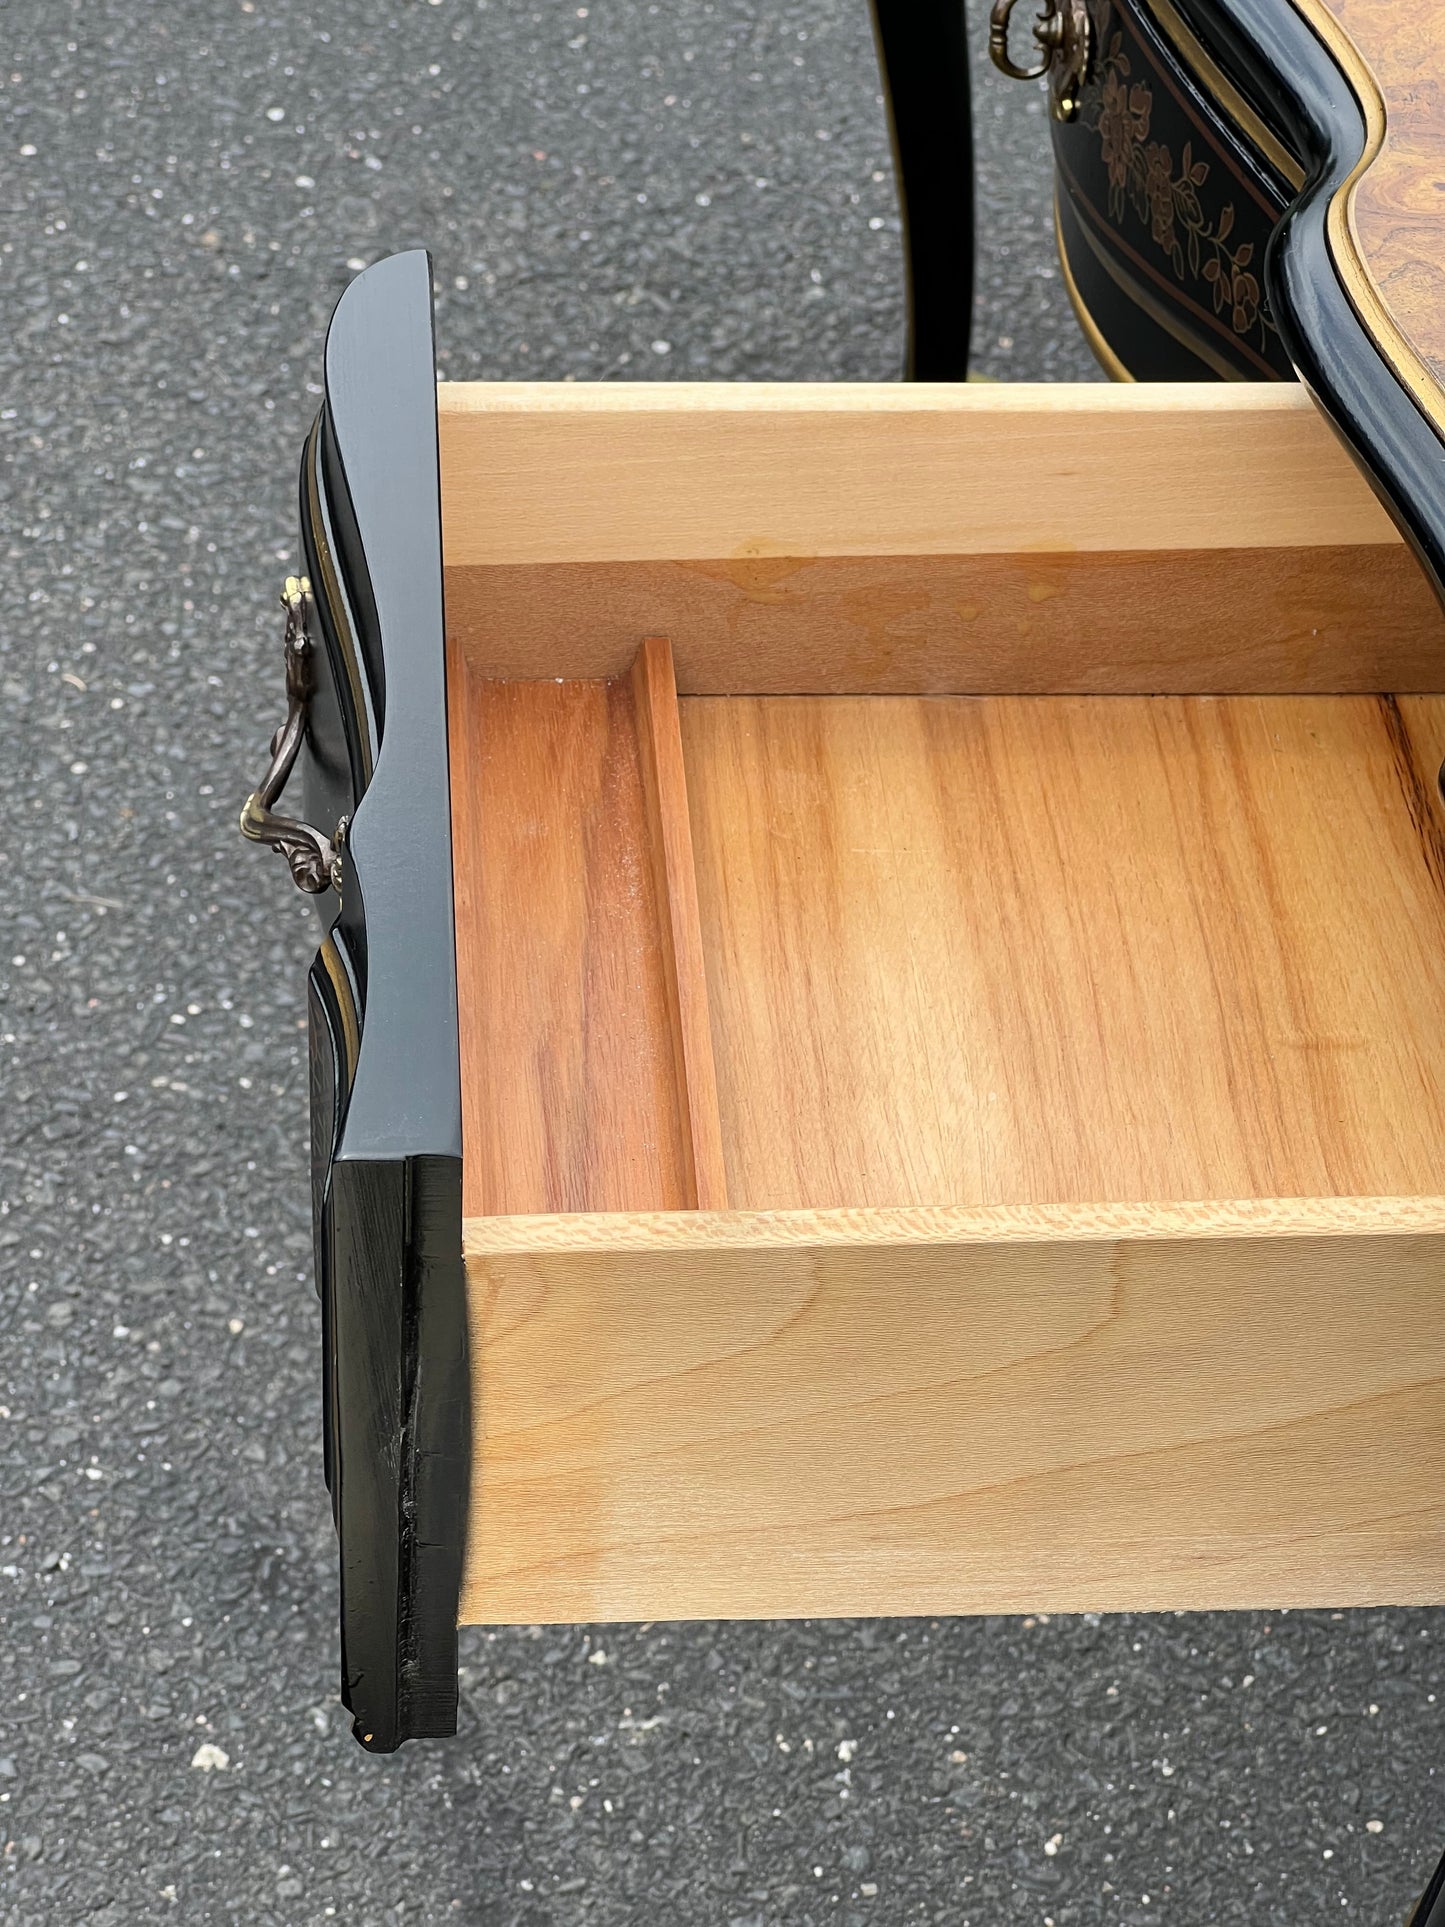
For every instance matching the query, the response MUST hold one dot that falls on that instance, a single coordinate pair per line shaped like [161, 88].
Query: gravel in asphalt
[690, 190]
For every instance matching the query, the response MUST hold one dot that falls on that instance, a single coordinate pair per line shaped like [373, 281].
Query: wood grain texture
[569, 1091]
[923, 1412]
[663, 471]
[664, 783]
[1164, 622]
[1014, 950]
[1393, 210]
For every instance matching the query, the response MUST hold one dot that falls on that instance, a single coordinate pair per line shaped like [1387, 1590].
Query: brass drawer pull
[315, 859]
[1065, 41]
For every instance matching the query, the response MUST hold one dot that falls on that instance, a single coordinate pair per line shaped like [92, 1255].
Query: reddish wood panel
[569, 1087]
[664, 782]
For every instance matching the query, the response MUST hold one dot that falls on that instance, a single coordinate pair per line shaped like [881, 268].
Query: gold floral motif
[1142, 175]
[1123, 121]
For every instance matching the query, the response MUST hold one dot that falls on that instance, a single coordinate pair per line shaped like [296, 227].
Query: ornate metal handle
[314, 859]
[1064, 36]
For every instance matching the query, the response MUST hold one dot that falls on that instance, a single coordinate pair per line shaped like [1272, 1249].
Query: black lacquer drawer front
[366, 732]
[1168, 189]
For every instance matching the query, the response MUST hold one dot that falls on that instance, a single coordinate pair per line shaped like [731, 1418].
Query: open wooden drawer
[922, 1000]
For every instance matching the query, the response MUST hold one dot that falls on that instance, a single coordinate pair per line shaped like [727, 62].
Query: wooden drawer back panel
[1356, 617]
[1163, 539]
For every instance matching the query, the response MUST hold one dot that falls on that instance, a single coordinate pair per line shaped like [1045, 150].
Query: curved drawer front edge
[1295, 65]
[1294, 60]
[386, 1087]
[1167, 190]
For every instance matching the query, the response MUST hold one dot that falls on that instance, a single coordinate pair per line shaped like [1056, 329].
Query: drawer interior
[952, 990]
[1125, 887]
[901, 950]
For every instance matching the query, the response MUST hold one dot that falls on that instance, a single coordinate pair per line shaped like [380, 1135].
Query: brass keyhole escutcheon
[1064, 37]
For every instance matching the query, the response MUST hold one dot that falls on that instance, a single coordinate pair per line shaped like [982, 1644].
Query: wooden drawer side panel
[856, 1413]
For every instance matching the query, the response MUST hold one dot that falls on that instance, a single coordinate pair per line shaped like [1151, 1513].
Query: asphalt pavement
[680, 190]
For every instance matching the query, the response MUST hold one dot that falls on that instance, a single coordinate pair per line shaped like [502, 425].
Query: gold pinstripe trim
[1360, 283]
[340, 979]
[1156, 310]
[1223, 92]
[1361, 287]
[1111, 364]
